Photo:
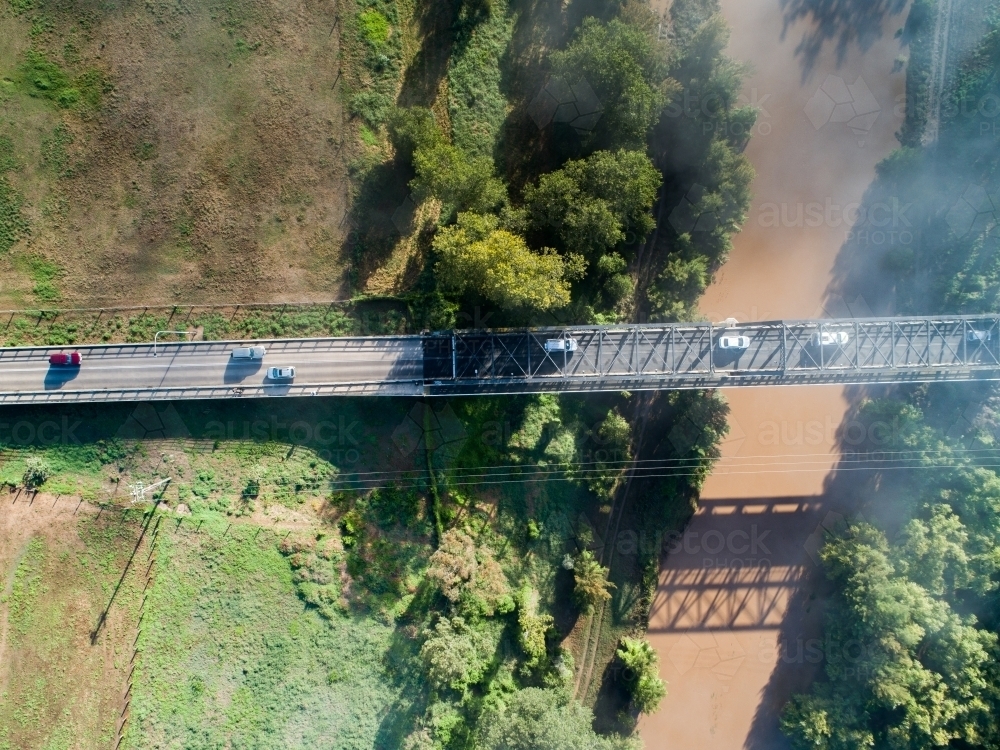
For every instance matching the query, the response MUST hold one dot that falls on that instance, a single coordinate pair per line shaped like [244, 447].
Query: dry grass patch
[210, 167]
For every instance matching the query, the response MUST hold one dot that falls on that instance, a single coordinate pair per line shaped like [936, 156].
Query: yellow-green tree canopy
[476, 254]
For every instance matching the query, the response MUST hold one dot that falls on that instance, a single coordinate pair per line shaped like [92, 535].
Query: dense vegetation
[567, 226]
[911, 650]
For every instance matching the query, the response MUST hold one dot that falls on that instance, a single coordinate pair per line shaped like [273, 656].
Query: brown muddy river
[733, 596]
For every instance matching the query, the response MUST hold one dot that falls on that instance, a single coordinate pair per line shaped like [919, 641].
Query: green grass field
[232, 657]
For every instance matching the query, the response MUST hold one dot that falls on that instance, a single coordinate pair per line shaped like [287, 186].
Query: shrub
[44, 79]
[453, 563]
[36, 471]
[614, 435]
[536, 718]
[371, 106]
[352, 527]
[469, 577]
[413, 128]
[641, 676]
[591, 584]
[374, 27]
[532, 628]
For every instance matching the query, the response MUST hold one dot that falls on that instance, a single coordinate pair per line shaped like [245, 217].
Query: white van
[248, 352]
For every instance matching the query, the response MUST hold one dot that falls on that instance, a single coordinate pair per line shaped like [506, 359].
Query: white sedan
[734, 342]
[830, 338]
[281, 373]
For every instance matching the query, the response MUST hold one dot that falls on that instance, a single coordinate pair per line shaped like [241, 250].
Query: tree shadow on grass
[843, 22]
[380, 212]
[436, 30]
[612, 709]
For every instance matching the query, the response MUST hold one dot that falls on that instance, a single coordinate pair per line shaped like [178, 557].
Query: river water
[734, 605]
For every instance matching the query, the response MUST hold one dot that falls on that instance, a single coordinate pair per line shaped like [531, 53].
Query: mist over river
[737, 585]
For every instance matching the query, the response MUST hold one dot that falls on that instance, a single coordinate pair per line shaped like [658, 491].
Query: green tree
[476, 255]
[674, 294]
[591, 585]
[641, 675]
[456, 655]
[626, 69]
[459, 181]
[591, 203]
[540, 719]
[925, 675]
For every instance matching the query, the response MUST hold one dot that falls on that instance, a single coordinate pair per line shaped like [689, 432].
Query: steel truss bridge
[474, 362]
[686, 355]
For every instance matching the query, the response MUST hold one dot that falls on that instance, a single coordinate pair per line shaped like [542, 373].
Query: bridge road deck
[672, 356]
[607, 358]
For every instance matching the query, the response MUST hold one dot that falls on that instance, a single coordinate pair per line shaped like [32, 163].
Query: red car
[66, 359]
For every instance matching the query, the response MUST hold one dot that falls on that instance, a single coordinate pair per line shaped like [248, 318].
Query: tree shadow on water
[843, 22]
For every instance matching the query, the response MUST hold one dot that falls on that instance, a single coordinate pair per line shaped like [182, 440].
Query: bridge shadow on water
[798, 651]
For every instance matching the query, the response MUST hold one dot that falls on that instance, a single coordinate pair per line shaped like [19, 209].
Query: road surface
[386, 365]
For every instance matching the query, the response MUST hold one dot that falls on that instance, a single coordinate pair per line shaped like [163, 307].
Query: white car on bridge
[976, 336]
[248, 352]
[830, 338]
[285, 374]
[734, 342]
[561, 345]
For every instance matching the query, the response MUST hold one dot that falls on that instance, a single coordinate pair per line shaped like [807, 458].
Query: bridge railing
[873, 345]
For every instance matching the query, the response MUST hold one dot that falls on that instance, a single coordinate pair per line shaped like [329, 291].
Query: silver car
[248, 352]
[830, 338]
[975, 336]
[281, 373]
[561, 345]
